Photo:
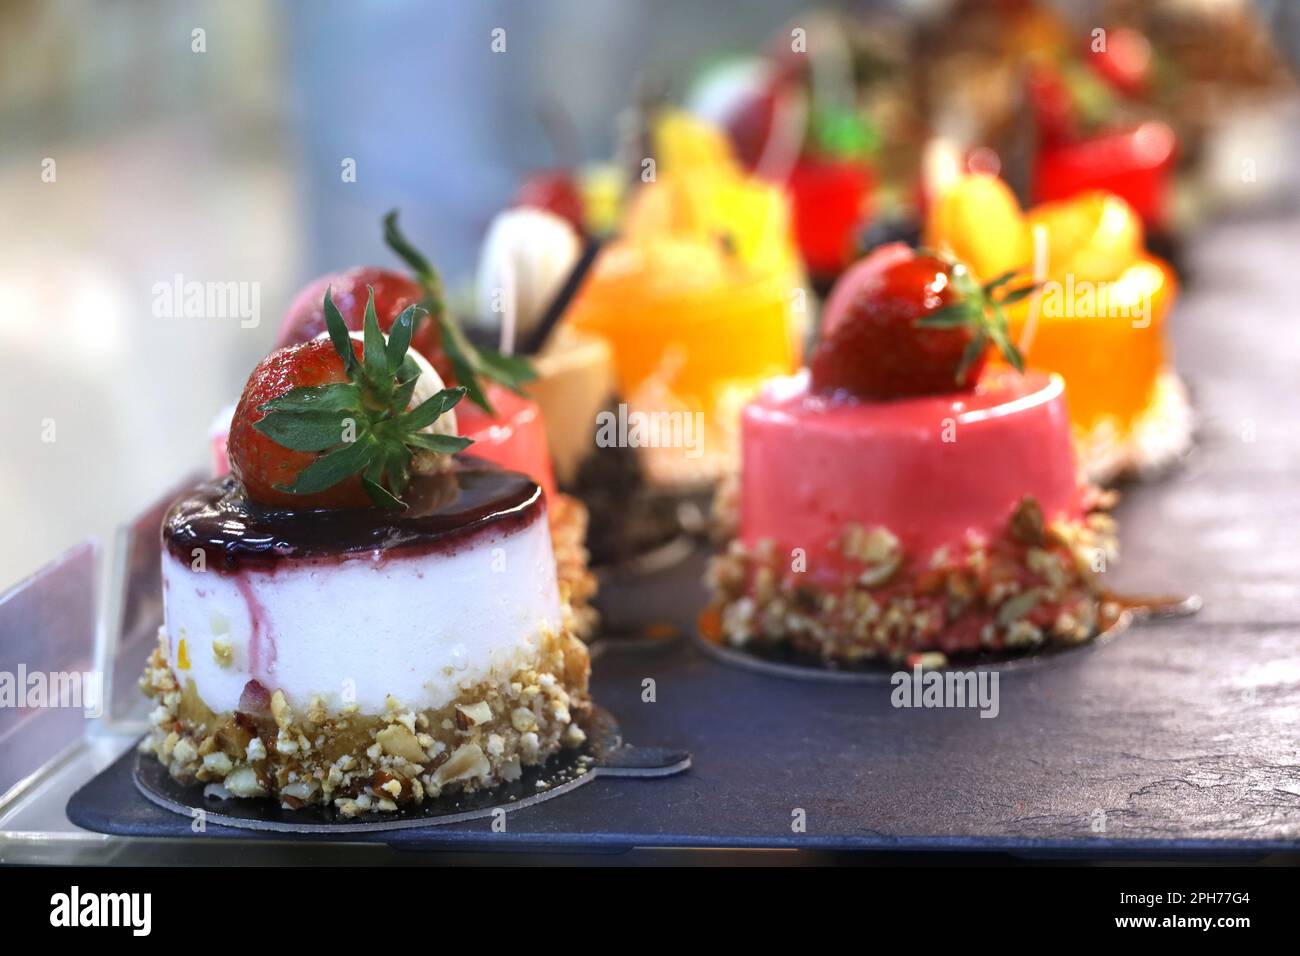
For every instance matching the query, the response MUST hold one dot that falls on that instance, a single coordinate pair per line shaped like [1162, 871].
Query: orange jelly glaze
[1110, 358]
[697, 339]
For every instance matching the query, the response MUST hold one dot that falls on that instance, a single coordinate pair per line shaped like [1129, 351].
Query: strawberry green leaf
[408, 370]
[334, 467]
[375, 354]
[380, 495]
[424, 271]
[510, 370]
[338, 331]
[402, 395]
[397, 466]
[972, 353]
[1012, 354]
[469, 363]
[1016, 295]
[1000, 281]
[305, 431]
[979, 309]
[428, 411]
[336, 397]
[460, 351]
[442, 444]
[399, 337]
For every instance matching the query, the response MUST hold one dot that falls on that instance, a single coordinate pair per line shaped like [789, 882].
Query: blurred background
[217, 142]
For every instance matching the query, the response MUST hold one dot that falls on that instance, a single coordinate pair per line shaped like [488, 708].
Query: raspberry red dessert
[894, 499]
[355, 617]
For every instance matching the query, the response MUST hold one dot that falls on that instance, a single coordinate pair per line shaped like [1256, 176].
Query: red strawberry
[393, 292]
[555, 191]
[256, 459]
[329, 424]
[902, 323]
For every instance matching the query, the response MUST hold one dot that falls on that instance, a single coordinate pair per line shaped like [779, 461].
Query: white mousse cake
[364, 658]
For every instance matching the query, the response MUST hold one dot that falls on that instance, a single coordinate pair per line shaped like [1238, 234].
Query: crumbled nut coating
[366, 763]
[1034, 584]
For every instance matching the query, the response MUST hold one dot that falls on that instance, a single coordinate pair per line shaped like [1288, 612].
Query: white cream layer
[416, 626]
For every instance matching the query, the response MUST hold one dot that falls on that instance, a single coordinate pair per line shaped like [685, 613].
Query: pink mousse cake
[514, 437]
[877, 528]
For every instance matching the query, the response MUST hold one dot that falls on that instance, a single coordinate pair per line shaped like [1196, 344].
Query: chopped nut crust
[568, 518]
[1033, 585]
[365, 763]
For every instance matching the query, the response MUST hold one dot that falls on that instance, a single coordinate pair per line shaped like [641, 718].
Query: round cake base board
[782, 664]
[603, 754]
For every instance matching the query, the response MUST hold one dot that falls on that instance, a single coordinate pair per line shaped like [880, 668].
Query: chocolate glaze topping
[444, 513]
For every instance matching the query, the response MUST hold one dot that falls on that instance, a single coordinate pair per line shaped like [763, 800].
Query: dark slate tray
[1155, 734]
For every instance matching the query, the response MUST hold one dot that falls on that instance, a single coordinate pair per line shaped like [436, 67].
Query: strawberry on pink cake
[895, 498]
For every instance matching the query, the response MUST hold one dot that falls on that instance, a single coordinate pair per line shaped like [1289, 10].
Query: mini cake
[506, 426]
[360, 620]
[697, 301]
[893, 500]
[1100, 318]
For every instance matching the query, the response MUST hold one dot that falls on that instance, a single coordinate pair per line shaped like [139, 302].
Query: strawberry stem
[980, 310]
[469, 362]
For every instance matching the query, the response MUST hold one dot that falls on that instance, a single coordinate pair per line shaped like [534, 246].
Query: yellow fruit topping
[1094, 236]
[1103, 302]
[978, 221]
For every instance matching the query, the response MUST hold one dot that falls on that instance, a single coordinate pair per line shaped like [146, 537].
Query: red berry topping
[903, 323]
[327, 423]
[258, 460]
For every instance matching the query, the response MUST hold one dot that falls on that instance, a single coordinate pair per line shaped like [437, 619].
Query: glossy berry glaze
[929, 469]
[445, 512]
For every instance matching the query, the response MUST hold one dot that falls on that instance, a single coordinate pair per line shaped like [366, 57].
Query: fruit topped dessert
[1099, 321]
[505, 424]
[697, 301]
[531, 264]
[355, 617]
[900, 497]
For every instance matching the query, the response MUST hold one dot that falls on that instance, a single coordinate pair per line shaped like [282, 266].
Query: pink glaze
[813, 464]
[514, 438]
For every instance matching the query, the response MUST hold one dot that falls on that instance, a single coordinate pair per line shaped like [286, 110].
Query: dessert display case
[884, 452]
